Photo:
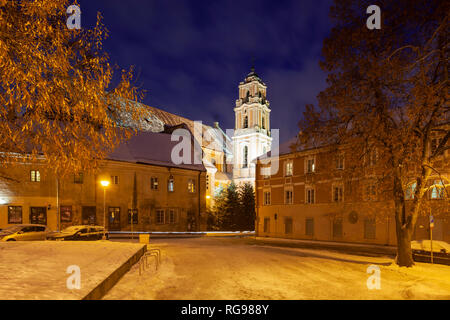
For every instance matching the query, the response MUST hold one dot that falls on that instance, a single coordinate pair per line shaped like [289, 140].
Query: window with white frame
[289, 168]
[340, 162]
[266, 198]
[35, 176]
[338, 193]
[170, 184]
[288, 196]
[310, 165]
[160, 216]
[154, 183]
[310, 195]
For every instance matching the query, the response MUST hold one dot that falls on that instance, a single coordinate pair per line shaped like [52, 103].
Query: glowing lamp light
[2, 201]
[104, 183]
[208, 197]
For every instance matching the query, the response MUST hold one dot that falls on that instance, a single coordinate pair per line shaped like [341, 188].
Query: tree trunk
[403, 227]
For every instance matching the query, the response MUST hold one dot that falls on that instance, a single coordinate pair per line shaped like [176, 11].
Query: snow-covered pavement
[37, 269]
[227, 268]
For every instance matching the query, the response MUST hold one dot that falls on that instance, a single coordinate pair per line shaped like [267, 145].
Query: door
[25, 234]
[88, 215]
[114, 218]
[38, 215]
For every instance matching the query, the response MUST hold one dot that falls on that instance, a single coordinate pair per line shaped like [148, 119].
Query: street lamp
[104, 183]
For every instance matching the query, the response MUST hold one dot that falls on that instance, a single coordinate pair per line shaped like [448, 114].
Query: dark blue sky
[191, 55]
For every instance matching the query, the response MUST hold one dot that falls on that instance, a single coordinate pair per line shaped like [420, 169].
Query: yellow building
[145, 187]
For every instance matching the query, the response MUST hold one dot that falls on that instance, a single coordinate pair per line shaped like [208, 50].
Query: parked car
[82, 233]
[24, 232]
[421, 250]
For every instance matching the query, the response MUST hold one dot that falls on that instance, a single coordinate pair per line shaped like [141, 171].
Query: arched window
[245, 162]
[263, 123]
[245, 122]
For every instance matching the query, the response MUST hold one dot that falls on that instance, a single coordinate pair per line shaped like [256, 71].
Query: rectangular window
[14, 214]
[310, 165]
[266, 225]
[78, 178]
[340, 162]
[154, 183]
[410, 190]
[160, 217]
[337, 228]
[38, 215]
[114, 217]
[310, 196]
[170, 185]
[35, 176]
[437, 190]
[172, 216]
[114, 179]
[287, 225]
[66, 213]
[309, 226]
[338, 194]
[191, 186]
[288, 197]
[289, 168]
[133, 215]
[369, 228]
[266, 198]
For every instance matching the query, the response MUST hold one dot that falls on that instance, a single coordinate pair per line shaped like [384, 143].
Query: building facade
[146, 192]
[252, 128]
[310, 198]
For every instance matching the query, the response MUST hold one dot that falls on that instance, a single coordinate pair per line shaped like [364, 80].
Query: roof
[284, 148]
[216, 133]
[151, 148]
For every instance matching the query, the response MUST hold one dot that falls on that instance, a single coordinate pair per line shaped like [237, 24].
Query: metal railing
[143, 261]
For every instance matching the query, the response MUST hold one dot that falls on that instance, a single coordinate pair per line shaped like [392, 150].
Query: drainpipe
[199, 202]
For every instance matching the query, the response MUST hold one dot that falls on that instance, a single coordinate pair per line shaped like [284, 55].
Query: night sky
[191, 55]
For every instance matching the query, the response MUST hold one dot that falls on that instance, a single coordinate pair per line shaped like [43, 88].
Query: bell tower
[252, 127]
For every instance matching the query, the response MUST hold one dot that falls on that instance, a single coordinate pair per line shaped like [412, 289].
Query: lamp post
[104, 183]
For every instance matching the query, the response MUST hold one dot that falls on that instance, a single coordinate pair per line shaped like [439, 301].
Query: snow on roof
[151, 148]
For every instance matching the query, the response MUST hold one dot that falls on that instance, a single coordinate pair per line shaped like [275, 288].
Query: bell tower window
[263, 124]
[245, 164]
[246, 122]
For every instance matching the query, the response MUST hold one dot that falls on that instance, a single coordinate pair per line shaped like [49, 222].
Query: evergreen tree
[247, 214]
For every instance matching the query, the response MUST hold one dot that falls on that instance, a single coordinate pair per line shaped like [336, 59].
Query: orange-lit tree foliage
[58, 100]
[388, 90]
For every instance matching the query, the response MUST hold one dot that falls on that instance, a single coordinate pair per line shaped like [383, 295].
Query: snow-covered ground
[37, 269]
[235, 269]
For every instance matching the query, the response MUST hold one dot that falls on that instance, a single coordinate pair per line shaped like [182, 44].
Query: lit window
[35, 176]
[170, 184]
[289, 168]
[154, 183]
[191, 186]
[14, 214]
[310, 165]
[437, 190]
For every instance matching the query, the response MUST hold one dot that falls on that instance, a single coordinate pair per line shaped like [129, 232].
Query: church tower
[252, 127]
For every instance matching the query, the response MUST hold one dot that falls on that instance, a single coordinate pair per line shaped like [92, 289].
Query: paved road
[230, 268]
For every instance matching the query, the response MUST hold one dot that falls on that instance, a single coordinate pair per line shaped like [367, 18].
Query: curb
[101, 289]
